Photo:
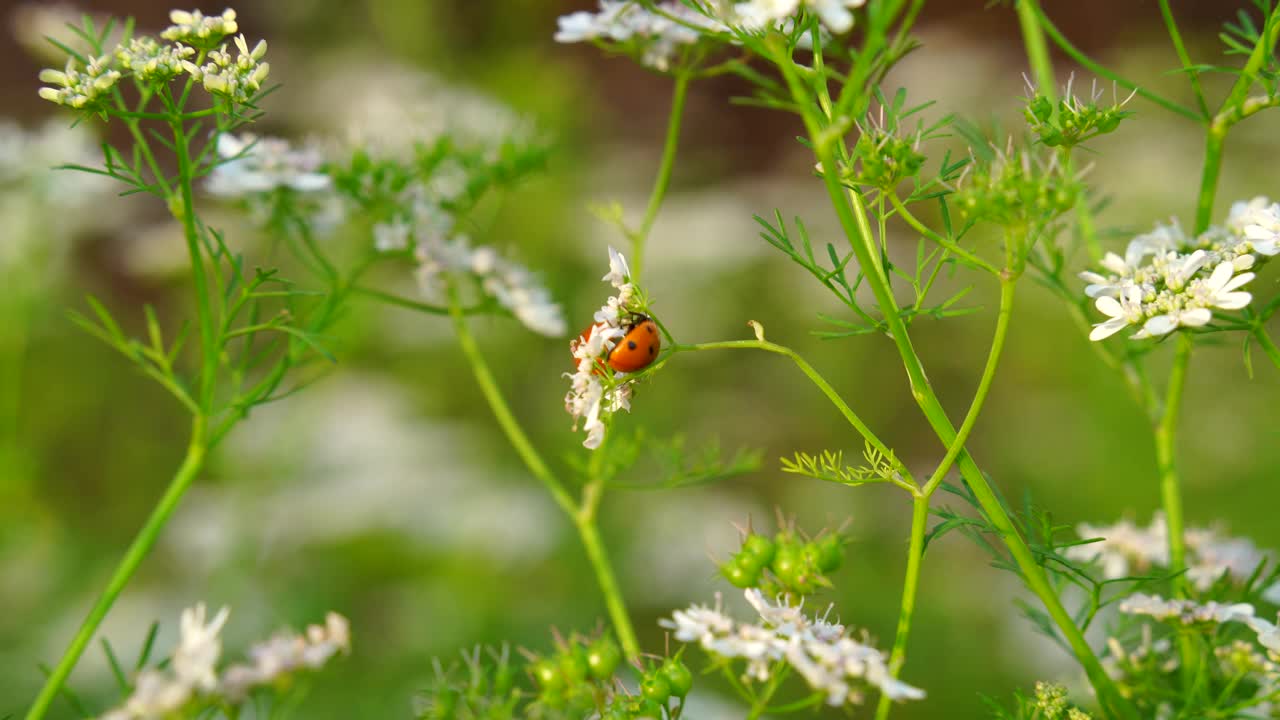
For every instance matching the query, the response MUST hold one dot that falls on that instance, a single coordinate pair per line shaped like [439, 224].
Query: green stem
[1089, 64]
[1268, 345]
[761, 702]
[137, 552]
[920, 508]
[1183, 56]
[1217, 135]
[1037, 48]
[852, 217]
[939, 239]
[584, 516]
[498, 404]
[819, 381]
[1166, 440]
[1029, 14]
[608, 586]
[915, 559]
[186, 214]
[663, 180]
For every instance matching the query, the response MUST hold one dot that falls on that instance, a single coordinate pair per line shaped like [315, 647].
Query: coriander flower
[822, 653]
[252, 165]
[654, 36]
[835, 15]
[590, 398]
[238, 79]
[195, 28]
[1169, 280]
[285, 653]
[78, 87]
[151, 62]
[190, 681]
[199, 647]
[1126, 549]
[439, 255]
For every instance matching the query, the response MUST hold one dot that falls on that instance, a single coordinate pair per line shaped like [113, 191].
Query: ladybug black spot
[649, 328]
[653, 350]
[631, 344]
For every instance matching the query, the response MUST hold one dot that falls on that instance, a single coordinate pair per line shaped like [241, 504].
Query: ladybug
[638, 346]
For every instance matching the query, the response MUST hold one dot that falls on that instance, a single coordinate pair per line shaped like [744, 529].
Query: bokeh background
[388, 493]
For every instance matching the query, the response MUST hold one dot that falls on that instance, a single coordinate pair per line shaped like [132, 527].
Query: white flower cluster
[196, 28]
[588, 398]
[1168, 279]
[835, 15]
[78, 87]
[151, 61]
[660, 32]
[192, 669]
[1189, 612]
[252, 165]
[439, 251]
[820, 651]
[285, 653]
[1126, 549]
[238, 79]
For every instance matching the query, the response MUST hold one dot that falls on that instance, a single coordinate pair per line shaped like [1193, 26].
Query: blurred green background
[388, 493]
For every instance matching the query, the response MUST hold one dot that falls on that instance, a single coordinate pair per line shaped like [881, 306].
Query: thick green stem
[910, 584]
[1166, 431]
[920, 509]
[186, 214]
[663, 180]
[853, 220]
[761, 702]
[1213, 143]
[1037, 49]
[608, 586]
[584, 516]
[137, 552]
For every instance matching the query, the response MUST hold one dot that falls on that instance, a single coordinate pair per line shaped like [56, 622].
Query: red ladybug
[636, 349]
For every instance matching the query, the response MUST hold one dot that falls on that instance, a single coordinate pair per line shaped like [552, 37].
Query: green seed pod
[1041, 108]
[787, 563]
[831, 553]
[739, 575]
[678, 676]
[759, 547]
[574, 665]
[655, 687]
[546, 672]
[603, 658]
[444, 704]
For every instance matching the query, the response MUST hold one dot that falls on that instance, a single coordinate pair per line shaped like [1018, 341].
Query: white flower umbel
[655, 37]
[440, 254]
[151, 61]
[286, 653]
[835, 15]
[594, 396]
[821, 652]
[1126, 549]
[253, 165]
[1169, 280]
[190, 684]
[238, 79]
[80, 87]
[196, 28]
